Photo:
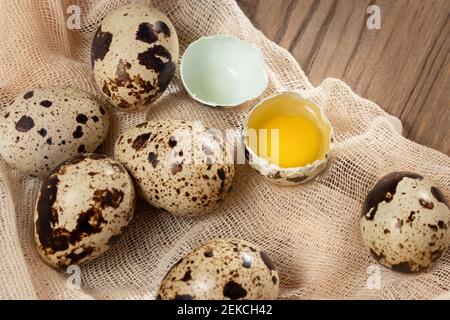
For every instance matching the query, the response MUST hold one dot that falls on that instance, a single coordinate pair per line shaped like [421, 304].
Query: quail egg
[222, 269]
[177, 165]
[134, 55]
[82, 209]
[44, 127]
[288, 139]
[406, 222]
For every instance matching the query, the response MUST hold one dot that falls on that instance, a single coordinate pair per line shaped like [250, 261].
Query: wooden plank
[404, 67]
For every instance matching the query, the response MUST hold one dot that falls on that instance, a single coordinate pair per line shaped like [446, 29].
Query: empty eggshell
[406, 222]
[44, 127]
[134, 55]
[223, 71]
[222, 269]
[173, 172]
[82, 209]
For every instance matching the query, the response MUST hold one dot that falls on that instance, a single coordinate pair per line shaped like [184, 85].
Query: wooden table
[404, 67]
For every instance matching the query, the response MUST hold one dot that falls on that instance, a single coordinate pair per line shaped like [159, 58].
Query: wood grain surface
[404, 67]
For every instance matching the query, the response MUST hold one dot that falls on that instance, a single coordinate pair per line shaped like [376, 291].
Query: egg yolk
[298, 140]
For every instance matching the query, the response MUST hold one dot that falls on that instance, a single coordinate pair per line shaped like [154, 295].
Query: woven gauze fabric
[311, 231]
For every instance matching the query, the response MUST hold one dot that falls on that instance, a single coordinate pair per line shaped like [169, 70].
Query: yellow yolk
[299, 139]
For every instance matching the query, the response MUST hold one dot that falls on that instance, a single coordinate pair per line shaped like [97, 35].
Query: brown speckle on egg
[297, 179]
[105, 89]
[152, 59]
[75, 256]
[176, 167]
[28, 95]
[426, 204]
[234, 291]
[81, 118]
[140, 141]
[172, 142]
[46, 103]
[78, 133]
[100, 45]
[267, 261]
[143, 124]
[106, 198]
[42, 132]
[439, 196]
[221, 174]
[146, 33]
[123, 104]
[153, 159]
[161, 27]
[209, 253]
[122, 77]
[187, 276]
[114, 239]
[24, 124]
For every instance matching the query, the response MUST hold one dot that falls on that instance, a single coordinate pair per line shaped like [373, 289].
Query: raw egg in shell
[288, 139]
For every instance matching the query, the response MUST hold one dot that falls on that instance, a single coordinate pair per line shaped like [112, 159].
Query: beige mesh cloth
[312, 231]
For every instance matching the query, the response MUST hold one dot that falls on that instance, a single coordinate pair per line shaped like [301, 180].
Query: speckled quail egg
[177, 165]
[406, 222]
[82, 209]
[222, 269]
[44, 127]
[134, 55]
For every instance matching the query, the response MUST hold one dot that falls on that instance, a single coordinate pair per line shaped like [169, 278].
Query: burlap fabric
[312, 232]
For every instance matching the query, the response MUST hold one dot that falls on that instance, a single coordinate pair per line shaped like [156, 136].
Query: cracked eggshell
[44, 127]
[170, 174]
[223, 71]
[82, 209]
[292, 176]
[406, 222]
[134, 55]
[222, 269]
